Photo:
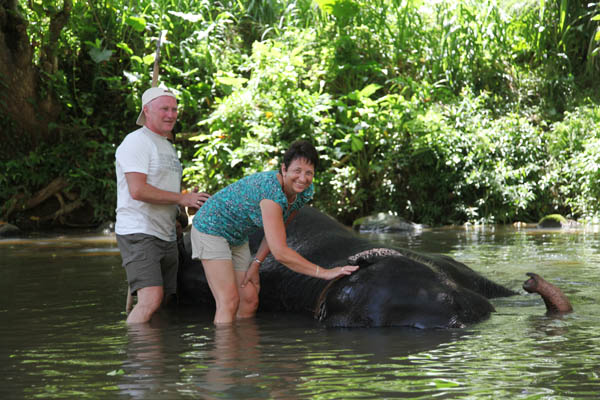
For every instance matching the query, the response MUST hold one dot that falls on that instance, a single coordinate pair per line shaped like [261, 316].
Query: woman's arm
[261, 254]
[263, 249]
[275, 237]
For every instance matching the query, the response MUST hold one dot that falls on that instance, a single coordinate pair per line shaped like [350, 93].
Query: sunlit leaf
[149, 59]
[123, 46]
[100, 55]
[369, 90]
[115, 372]
[339, 8]
[356, 143]
[187, 16]
[137, 23]
[131, 77]
[231, 81]
[95, 44]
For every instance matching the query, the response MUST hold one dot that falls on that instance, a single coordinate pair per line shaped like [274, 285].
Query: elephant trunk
[556, 302]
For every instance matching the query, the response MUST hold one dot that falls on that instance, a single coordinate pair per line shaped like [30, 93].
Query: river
[63, 335]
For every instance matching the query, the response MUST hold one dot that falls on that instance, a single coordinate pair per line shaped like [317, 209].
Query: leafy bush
[574, 145]
[278, 103]
[438, 111]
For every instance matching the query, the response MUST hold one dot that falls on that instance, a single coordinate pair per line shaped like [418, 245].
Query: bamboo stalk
[156, 61]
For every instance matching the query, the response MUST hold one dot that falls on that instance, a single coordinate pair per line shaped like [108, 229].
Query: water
[63, 335]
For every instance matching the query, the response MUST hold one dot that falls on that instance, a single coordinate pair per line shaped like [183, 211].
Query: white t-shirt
[152, 154]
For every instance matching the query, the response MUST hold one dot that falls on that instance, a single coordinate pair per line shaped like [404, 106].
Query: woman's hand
[336, 272]
[252, 276]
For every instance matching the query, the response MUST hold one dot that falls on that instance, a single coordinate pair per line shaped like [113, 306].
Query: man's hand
[193, 199]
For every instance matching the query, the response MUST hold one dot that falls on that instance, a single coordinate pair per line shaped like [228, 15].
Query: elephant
[554, 299]
[392, 287]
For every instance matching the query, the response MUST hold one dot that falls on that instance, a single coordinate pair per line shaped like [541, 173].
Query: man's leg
[169, 267]
[142, 255]
[149, 300]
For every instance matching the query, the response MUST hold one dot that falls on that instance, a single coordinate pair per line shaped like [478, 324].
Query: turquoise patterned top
[234, 212]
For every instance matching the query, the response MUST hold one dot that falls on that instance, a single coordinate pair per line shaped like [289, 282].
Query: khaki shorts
[149, 261]
[210, 247]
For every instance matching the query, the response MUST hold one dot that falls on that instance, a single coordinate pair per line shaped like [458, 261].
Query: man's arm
[140, 190]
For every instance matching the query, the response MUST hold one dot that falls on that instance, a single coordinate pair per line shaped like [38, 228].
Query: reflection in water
[227, 362]
[234, 361]
[63, 335]
[145, 364]
[369, 363]
[256, 358]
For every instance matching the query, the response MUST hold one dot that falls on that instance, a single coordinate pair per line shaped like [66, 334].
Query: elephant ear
[371, 256]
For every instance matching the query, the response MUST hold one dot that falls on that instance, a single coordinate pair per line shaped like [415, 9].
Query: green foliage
[276, 104]
[438, 111]
[82, 163]
[365, 147]
[574, 155]
[478, 167]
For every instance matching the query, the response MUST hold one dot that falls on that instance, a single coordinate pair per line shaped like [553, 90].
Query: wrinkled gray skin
[393, 287]
[555, 300]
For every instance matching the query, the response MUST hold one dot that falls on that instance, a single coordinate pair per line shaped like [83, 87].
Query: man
[148, 196]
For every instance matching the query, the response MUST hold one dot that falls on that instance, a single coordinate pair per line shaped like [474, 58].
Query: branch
[58, 20]
[11, 205]
[53, 187]
[64, 209]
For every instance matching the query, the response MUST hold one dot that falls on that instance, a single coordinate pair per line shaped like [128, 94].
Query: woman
[261, 200]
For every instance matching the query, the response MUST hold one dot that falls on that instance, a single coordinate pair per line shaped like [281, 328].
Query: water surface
[63, 335]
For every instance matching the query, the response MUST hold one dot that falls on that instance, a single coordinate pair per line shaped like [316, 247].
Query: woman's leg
[241, 259]
[248, 296]
[223, 285]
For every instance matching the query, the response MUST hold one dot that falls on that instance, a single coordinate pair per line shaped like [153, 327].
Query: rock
[9, 230]
[556, 221]
[385, 223]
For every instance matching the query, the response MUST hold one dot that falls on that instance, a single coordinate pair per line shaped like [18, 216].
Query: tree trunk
[24, 111]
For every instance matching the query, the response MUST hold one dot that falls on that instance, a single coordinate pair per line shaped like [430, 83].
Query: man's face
[161, 115]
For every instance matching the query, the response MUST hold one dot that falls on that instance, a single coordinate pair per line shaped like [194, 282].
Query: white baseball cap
[150, 95]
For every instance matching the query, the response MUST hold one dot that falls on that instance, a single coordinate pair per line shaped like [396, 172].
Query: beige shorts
[210, 247]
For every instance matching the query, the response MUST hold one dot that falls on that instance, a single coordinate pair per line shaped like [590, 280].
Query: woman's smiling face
[298, 176]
